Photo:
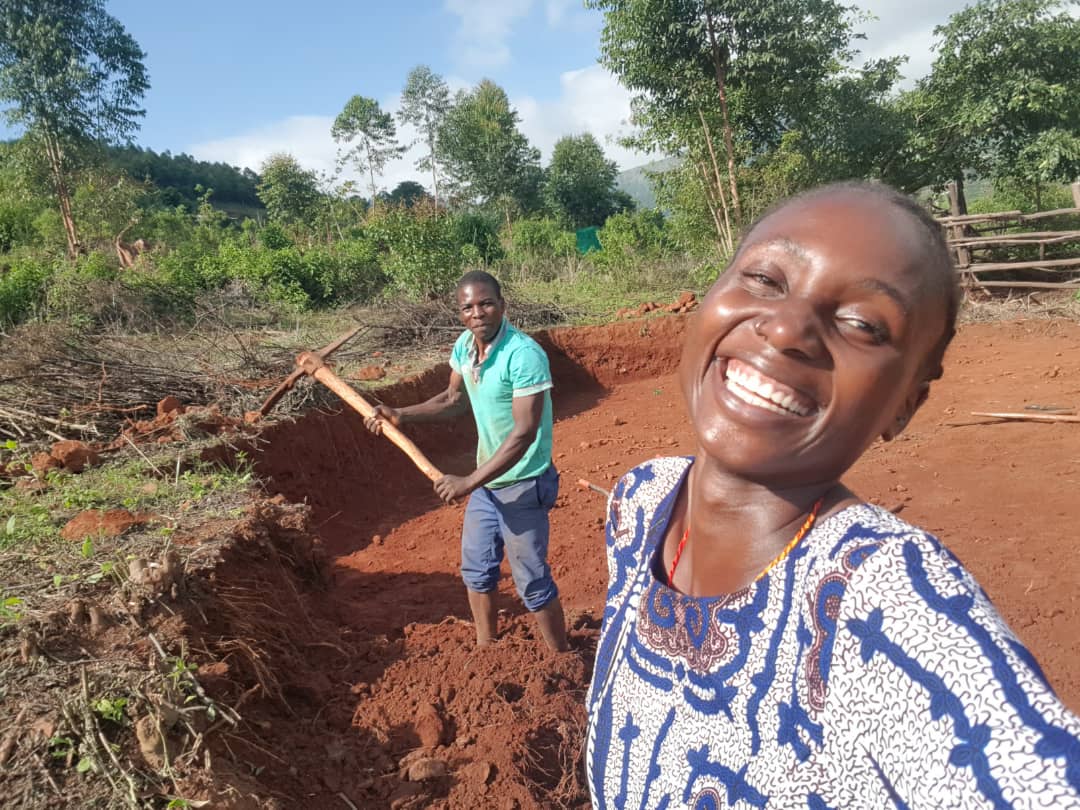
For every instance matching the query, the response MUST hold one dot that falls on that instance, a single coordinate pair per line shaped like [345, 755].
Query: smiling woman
[769, 638]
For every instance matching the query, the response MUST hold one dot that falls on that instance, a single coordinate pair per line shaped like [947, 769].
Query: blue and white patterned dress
[868, 670]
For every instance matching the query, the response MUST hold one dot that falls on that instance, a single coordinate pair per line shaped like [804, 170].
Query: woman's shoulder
[651, 481]
[859, 532]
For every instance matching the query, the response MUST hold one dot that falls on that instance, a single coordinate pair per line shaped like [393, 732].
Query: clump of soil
[686, 302]
[102, 523]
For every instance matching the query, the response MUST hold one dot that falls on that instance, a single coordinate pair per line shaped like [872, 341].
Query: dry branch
[994, 267]
[1029, 417]
[1064, 286]
[1031, 238]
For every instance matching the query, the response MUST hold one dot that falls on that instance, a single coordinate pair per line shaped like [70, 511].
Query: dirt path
[1003, 497]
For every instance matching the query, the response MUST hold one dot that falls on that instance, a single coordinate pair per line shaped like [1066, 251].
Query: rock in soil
[427, 768]
[430, 727]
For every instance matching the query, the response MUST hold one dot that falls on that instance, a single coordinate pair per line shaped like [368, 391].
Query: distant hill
[636, 183]
[178, 175]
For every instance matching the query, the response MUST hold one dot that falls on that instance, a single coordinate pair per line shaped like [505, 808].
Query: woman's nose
[792, 328]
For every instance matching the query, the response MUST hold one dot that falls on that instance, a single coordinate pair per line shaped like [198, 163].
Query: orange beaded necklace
[799, 535]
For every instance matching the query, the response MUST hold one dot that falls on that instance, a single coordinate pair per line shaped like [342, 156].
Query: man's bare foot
[485, 617]
[552, 625]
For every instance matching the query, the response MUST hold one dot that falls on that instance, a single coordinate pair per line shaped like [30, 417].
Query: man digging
[504, 375]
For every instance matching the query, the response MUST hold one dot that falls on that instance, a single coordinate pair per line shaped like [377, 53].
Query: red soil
[508, 720]
[101, 523]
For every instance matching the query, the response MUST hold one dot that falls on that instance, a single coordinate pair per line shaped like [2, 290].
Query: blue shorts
[514, 517]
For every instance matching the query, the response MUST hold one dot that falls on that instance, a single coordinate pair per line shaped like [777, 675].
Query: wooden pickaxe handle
[311, 363]
[290, 381]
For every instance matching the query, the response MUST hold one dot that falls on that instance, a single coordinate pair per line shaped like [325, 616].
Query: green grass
[35, 518]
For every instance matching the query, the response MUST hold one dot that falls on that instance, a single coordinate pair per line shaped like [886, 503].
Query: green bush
[16, 226]
[420, 252]
[82, 289]
[23, 283]
[628, 241]
[539, 238]
[480, 232]
[361, 277]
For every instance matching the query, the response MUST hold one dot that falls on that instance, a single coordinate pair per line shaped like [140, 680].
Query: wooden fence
[971, 236]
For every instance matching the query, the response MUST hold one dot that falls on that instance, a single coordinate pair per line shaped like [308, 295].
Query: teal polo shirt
[516, 366]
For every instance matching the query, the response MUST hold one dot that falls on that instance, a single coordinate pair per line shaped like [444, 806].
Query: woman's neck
[737, 527]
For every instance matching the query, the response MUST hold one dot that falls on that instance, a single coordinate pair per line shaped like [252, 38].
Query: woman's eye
[761, 280]
[876, 332]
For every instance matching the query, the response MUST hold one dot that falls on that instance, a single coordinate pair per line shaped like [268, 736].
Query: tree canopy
[368, 136]
[579, 184]
[71, 75]
[1003, 97]
[425, 102]
[485, 151]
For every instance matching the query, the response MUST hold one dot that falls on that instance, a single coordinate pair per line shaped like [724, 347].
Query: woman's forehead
[868, 230]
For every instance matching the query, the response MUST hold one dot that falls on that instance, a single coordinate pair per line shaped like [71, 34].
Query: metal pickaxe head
[303, 370]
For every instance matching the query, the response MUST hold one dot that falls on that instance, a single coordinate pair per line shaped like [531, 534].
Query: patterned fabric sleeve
[529, 371]
[931, 693]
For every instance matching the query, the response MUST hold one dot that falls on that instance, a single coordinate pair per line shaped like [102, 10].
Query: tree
[579, 185]
[370, 134]
[485, 152]
[1003, 96]
[407, 193]
[755, 64]
[424, 104]
[72, 75]
[289, 191]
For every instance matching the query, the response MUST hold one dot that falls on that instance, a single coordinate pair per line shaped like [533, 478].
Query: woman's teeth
[751, 387]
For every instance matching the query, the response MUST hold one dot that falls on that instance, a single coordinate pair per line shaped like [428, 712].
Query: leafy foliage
[368, 136]
[579, 185]
[73, 76]
[289, 192]
[1003, 98]
[486, 153]
[425, 102]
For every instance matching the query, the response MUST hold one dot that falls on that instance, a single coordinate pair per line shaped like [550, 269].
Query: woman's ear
[911, 405]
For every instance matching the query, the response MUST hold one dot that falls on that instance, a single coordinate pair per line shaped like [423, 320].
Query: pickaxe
[313, 364]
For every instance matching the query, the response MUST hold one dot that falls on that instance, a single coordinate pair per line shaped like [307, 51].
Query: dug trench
[343, 635]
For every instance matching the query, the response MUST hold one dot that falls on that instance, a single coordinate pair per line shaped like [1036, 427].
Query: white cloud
[906, 27]
[591, 100]
[480, 41]
[556, 10]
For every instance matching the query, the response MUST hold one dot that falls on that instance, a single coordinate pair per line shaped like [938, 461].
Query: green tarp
[586, 240]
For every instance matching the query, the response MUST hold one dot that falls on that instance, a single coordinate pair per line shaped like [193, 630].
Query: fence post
[963, 255]
[1076, 193]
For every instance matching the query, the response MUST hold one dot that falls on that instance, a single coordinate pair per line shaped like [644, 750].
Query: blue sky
[237, 80]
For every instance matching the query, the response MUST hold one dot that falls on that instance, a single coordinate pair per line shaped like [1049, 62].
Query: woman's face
[813, 341]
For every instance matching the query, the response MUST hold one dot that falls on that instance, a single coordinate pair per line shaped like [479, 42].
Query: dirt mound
[395, 549]
[176, 422]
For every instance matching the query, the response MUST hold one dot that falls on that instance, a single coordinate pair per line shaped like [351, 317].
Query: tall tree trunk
[63, 196]
[714, 212]
[371, 172]
[720, 66]
[729, 242]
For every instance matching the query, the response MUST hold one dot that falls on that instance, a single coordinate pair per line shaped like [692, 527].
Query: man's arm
[444, 405]
[527, 412]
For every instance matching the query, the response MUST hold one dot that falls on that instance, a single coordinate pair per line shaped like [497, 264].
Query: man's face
[812, 342]
[481, 311]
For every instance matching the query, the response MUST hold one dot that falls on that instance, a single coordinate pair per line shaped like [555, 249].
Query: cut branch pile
[62, 384]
